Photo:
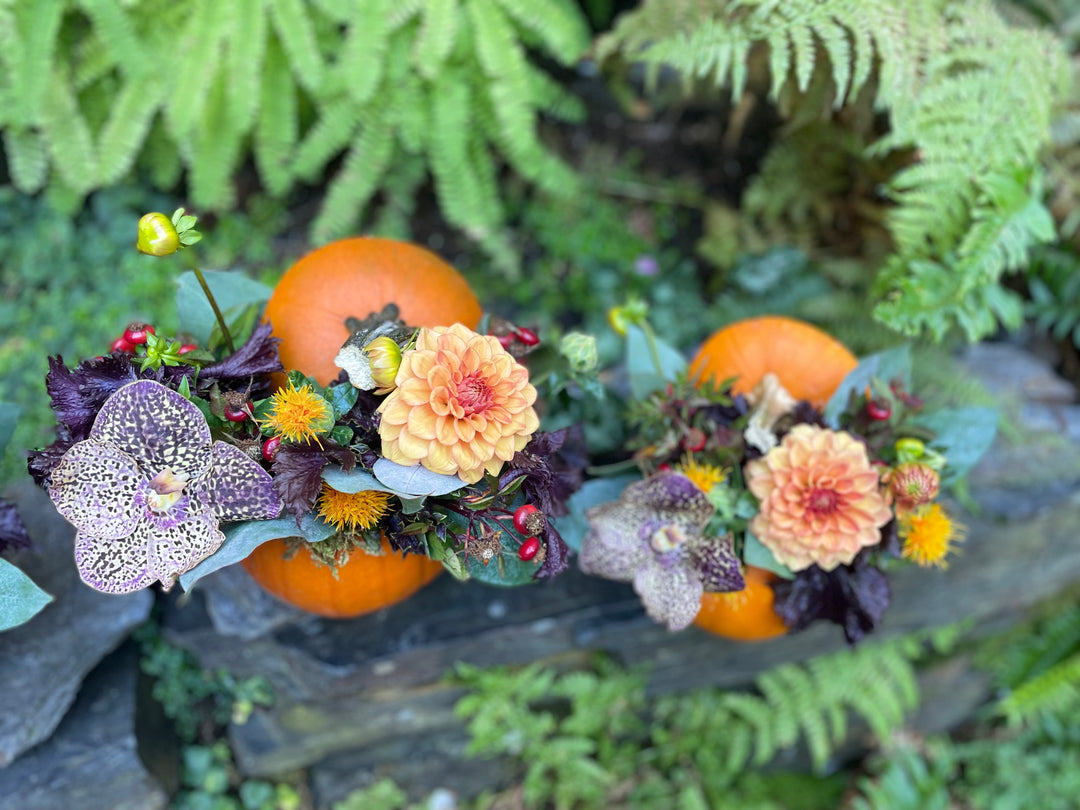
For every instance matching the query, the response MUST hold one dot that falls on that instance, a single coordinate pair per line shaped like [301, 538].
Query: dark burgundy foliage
[77, 394]
[257, 357]
[852, 596]
[408, 543]
[12, 531]
[558, 554]
[727, 415]
[552, 464]
[41, 463]
[362, 415]
[297, 470]
[807, 414]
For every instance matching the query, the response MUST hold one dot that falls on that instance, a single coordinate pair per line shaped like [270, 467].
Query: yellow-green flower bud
[909, 451]
[157, 235]
[580, 350]
[632, 312]
[384, 354]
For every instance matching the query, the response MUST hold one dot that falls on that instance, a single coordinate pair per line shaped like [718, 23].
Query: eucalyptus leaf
[641, 364]
[243, 538]
[20, 598]
[9, 415]
[755, 554]
[352, 482]
[962, 436]
[593, 492]
[885, 366]
[230, 289]
[507, 570]
[415, 480]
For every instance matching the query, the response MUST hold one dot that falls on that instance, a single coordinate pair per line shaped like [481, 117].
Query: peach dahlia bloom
[820, 499]
[462, 405]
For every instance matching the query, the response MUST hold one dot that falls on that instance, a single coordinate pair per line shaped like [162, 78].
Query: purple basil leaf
[258, 356]
[558, 554]
[12, 531]
[298, 477]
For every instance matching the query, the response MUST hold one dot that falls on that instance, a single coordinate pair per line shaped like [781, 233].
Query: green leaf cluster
[970, 100]
[374, 93]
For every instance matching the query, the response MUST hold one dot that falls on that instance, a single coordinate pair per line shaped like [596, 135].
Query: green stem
[217, 312]
[650, 337]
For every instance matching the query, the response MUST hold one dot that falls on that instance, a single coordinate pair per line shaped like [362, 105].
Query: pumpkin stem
[217, 312]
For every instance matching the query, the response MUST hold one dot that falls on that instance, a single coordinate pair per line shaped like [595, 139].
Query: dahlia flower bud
[580, 350]
[157, 235]
[914, 484]
[384, 354]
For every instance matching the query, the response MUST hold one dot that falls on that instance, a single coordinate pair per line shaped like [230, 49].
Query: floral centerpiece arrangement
[387, 452]
[783, 481]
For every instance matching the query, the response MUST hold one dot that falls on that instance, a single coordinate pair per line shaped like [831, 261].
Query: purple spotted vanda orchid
[653, 537]
[148, 487]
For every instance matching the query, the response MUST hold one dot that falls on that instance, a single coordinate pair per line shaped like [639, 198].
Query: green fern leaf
[215, 152]
[276, 131]
[558, 24]
[401, 13]
[1055, 691]
[27, 159]
[293, 27]
[199, 58]
[357, 181]
[359, 70]
[435, 40]
[115, 31]
[160, 157]
[70, 144]
[29, 48]
[246, 33]
[333, 131]
[125, 131]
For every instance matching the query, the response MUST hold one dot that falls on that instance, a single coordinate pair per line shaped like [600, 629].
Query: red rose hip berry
[878, 411]
[528, 520]
[270, 447]
[122, 345]
[528, 549]
[136, 333]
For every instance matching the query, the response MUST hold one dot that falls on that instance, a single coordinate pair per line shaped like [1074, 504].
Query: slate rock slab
[91, 761]
[44, 661]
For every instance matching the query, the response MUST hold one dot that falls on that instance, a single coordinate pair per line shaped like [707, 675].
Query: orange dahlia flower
[462, 405]
[820, 499]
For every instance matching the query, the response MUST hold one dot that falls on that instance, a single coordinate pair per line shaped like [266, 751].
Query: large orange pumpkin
[308, 308]
[810, 365]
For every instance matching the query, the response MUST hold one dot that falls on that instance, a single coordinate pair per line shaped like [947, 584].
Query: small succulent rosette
[739, 475]
[176, 456]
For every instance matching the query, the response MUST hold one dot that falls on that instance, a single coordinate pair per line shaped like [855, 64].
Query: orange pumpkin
[745, 615]
[810, 365]
[363, 584]
[353, 278]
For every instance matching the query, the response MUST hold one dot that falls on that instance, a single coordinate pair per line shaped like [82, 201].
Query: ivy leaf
[20, 598]
[885, 366]
[963, 435]
[415, 480]
[243, 538]
[641, 365]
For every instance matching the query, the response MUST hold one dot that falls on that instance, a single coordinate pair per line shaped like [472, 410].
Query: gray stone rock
[1008, 370]
[45, 660]
[239, 607]
[91, 761]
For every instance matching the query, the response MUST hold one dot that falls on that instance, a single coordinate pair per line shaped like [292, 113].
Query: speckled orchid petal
[671, 594]
[179, 548]
[237, 487]
[94, 486]
[157, 427]
[113, 565]
[609, 549]
[717, 565]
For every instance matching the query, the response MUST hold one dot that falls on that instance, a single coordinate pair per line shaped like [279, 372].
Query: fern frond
[70, 144]
[198, 59]
[333, 131]
[115, 31]
[126, 128]
[1055, 691]
[246, 33]
[436, 37]
[294, 29]
[160, 156]
[555, 23]
[358, 179]
[359, 69]
[214, 152]
[30, 58]
[27, 158]
[277, 130]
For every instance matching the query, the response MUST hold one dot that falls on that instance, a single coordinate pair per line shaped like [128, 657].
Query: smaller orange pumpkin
[745, 615]
[809, 363]
[363, 584]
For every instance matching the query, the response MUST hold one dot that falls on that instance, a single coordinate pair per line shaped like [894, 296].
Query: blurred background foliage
[883, 169]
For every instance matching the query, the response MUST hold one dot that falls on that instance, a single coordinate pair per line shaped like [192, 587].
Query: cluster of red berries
[529, 521]
[519, 334]
[135, 335]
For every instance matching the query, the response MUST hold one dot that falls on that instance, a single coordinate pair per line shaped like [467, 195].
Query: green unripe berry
[157, 235]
